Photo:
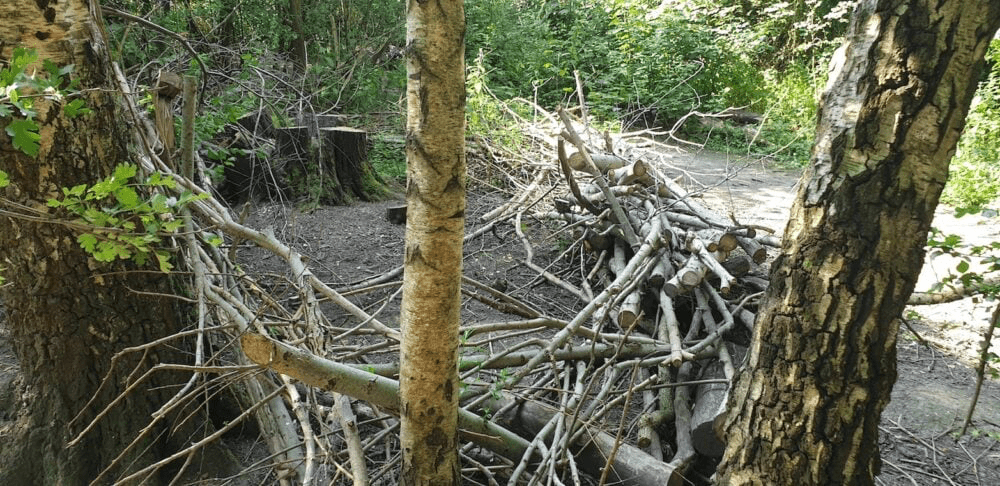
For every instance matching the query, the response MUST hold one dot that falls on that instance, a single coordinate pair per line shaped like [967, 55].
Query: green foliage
[788, 130]
[676, 66]
[388, 159]
[512, 39]
[630, 61]
[986, 259]
[122, 225]
[778, 34]
[20, 89]
[24, 135]
[975, 172]
[485, 114]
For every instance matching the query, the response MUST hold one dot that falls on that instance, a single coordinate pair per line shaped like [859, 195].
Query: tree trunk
[299, 57]
[822, 364]
[435, 195]
[69, 315]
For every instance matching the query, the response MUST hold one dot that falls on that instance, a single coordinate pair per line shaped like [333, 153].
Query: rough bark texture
[68, 315]
[435, 195]
[823, 360]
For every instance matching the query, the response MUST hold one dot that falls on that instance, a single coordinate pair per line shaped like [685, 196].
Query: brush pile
[670, 286]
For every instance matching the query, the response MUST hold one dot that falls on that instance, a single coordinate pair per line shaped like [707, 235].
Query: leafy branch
[19, 90]
[123, 224]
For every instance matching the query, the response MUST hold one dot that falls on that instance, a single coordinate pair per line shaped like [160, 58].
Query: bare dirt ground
[919, 444]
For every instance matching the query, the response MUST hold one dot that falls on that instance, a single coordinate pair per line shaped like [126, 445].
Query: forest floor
[919, 440]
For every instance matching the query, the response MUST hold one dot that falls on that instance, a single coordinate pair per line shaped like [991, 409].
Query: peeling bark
[823, 360]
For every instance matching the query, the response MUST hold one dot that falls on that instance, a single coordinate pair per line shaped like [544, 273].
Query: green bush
[975, 172]
[627, 59]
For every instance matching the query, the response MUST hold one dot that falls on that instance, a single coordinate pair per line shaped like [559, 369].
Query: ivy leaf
[25, 136]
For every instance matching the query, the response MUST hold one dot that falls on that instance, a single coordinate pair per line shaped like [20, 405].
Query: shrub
[975, 171]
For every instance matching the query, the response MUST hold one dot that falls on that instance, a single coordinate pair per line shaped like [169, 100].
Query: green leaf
[5, 110]
[75, 191]
[76, 108]
[25, 136]
[125, 171]
[127, 197]
[104, 188]
[159, 203]
[4, 181]
[172, 226]
[108, 251]
[158, 179]
[213, 239]
[164, 258]
[87, 242]
[962, 267]
[21, 59]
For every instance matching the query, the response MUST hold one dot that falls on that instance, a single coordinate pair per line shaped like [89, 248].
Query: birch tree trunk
[435, 196]
[823, 360]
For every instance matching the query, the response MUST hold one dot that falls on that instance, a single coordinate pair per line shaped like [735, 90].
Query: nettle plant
[126, 215]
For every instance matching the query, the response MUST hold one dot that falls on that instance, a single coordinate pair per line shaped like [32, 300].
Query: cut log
[738, 265]
[717, 240]
[604, 162]
[308, 178]
[629, 464]
[396, 214]
[709, 403]
[292, 143]
[168, 86]
[754, 249]
[661, 272]
[629, 174]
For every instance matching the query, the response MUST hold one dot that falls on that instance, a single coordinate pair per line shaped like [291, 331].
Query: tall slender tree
[823, 359]
[435, 196]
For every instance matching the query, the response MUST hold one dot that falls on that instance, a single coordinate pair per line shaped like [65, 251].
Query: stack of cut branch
[677, 276]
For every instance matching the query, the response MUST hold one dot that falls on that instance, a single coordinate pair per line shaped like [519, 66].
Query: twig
[984, 355]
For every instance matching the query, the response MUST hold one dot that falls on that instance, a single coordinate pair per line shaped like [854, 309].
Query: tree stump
[258, 123]
[308, 177]
[345, 150]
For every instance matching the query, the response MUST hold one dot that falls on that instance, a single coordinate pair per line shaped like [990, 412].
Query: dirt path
[935, 385]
